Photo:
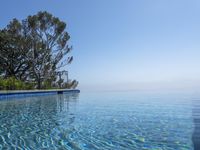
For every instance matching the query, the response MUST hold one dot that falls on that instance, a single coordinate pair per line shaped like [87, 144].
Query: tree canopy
[35, 49]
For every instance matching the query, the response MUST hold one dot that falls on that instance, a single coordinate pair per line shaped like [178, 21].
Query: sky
[125, 44]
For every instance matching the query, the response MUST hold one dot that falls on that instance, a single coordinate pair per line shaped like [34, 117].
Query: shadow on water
[196, 120]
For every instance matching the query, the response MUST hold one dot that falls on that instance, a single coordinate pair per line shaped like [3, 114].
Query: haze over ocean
[125, 44]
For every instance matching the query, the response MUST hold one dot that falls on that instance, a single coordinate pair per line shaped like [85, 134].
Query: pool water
[101, 121]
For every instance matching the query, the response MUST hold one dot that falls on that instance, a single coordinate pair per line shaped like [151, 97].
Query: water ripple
[100, 122]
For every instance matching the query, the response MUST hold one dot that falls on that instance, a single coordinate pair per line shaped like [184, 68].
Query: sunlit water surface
[104, 121]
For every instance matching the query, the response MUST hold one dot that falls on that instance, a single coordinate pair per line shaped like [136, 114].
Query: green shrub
[47, 85]
[29, 86]
[70, 84]
[1, 84]
[12, 83]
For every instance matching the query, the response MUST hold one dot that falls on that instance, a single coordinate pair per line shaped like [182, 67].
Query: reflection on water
[196, 118]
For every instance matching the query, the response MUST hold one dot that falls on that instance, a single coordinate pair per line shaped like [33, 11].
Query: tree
[49, 45]
[35, 49]
[14, 47]
[2, 41]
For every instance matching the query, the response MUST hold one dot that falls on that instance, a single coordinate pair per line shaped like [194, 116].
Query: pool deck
[24, 93]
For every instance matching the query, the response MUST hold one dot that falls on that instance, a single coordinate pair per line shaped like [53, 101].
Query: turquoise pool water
[101, 121]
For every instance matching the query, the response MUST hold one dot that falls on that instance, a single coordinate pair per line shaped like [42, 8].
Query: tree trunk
[39, 82]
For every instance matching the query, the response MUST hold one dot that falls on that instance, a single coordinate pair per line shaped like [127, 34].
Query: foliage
[47, 85]
[49, 45]
[70, 85]
[14, 49]
[33, 51]
[12, 83]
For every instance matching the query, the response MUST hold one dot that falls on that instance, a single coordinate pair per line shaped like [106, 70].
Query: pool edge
[10, 94]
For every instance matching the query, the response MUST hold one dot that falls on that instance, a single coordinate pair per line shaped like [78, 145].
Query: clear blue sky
[125, 44]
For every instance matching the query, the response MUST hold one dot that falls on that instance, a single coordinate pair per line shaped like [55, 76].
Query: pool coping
[25, 93]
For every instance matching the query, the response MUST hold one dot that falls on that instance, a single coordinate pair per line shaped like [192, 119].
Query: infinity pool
[101, 121]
